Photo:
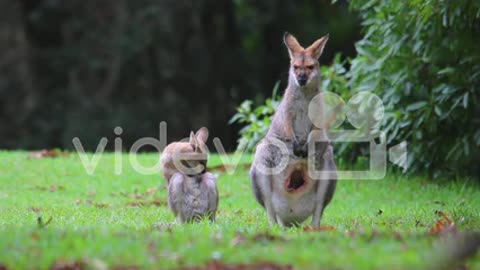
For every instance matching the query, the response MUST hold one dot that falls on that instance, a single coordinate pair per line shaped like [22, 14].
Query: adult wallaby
[289, 195]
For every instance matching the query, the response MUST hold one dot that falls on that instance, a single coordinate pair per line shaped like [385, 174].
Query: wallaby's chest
[301, 123]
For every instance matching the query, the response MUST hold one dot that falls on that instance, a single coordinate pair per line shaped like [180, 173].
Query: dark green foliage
[256, 120]
[422, 59]
[80, 68]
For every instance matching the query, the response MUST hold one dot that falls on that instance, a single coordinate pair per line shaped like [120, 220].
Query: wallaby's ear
[193, 139]
[202, 135]
[292, 44]
[316, 49]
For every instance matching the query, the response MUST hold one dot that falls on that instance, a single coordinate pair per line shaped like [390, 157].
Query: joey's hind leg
[176, 196]
[212, 195]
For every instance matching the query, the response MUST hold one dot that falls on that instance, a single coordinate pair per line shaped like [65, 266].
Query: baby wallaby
[288, 194]
[192, 192]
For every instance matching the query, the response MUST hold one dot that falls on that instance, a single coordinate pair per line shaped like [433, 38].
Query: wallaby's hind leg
[320, 203]
[262, 190]
[267, 168]
[324, 187]
[270, 211]
[257, 193]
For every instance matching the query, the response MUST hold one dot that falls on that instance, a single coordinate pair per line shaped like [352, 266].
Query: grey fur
[193, 198]
[190, 197]
[292, 126]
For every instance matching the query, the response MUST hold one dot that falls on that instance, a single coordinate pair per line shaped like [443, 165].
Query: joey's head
[304, 65]
[191, 157]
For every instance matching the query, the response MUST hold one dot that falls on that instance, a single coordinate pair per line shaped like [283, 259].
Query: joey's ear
[292, 44]
[202, 135]
[316, 49]
[193, 139]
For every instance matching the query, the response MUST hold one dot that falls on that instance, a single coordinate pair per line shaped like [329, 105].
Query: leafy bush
[422, 58]
[256, 120]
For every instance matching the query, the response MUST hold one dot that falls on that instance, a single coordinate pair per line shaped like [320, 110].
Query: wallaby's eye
[296, 67]
[311, 67]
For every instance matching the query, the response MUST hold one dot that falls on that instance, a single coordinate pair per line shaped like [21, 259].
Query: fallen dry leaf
[152, 247]
[68, 265]
[225, 195]
[40, 188]
[442, 225]
[136, 194]
[398, 236]
[237, 240]
[35, 209]
[266, 237]
[372, 235]
[47, 154]
[138, 203]
[54, 188]
[350, 233]
[102, 205]
[3, 267]
[322, 228]
[34, 236]
[150, 191]
[158, 202]
[216, 265]
[51, 188]
[144, 203]
[125, 268]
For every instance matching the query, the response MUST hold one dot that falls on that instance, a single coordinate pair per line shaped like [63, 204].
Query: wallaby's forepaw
[300, 149]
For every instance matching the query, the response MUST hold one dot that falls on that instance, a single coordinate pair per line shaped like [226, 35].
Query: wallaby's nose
[302, 78]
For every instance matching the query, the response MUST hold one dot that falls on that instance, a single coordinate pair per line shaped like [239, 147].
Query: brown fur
[194, 196]
[167, 160]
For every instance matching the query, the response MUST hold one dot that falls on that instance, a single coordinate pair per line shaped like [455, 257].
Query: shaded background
[80, 68]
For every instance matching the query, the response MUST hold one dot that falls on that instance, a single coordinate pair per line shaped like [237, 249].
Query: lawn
[109, 220]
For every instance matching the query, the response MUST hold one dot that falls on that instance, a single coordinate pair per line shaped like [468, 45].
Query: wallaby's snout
[302, 78]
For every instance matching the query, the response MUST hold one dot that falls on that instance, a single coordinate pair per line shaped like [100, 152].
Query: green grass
[109, 219]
